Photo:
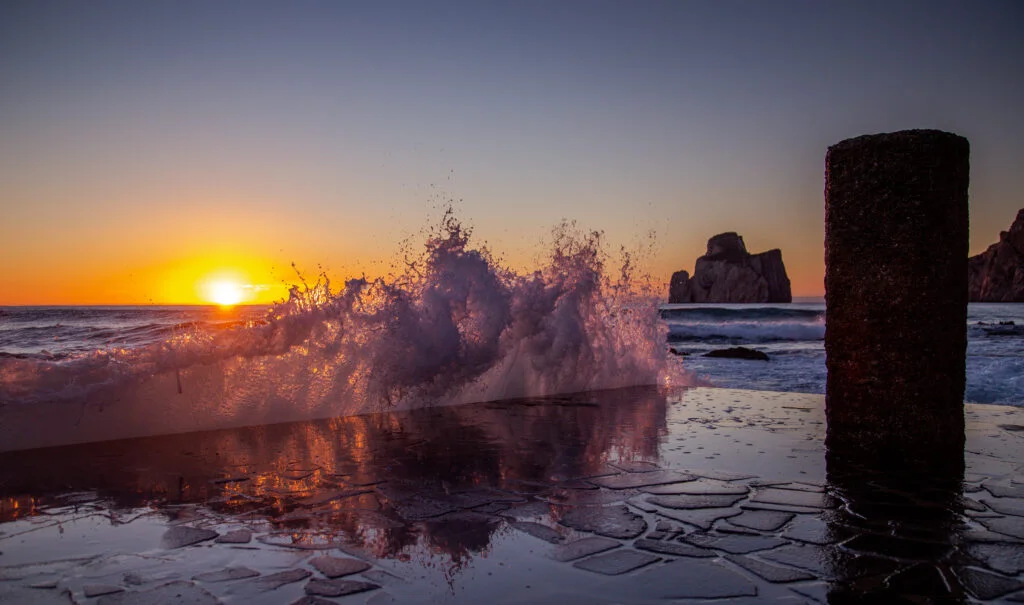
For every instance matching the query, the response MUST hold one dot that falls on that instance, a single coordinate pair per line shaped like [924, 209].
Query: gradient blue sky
[147, 142]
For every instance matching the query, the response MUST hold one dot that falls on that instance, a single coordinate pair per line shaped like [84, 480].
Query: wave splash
[454, 326]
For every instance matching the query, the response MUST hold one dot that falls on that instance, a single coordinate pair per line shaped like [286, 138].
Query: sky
[150, 149]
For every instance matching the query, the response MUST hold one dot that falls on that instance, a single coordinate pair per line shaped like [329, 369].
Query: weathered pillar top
[917, 138]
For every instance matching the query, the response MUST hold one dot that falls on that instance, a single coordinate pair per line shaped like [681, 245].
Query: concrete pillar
[896, 229]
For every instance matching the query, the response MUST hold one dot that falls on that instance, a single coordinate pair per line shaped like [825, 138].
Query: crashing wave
[452, 327]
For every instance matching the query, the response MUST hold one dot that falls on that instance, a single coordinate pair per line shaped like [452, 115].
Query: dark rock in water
[738, 353]
[997, 274]
[727, 273]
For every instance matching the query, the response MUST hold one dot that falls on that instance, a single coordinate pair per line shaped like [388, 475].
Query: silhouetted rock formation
[997, 274]
[727, 273]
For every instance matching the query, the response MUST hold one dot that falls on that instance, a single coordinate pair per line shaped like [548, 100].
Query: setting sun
[226, 293]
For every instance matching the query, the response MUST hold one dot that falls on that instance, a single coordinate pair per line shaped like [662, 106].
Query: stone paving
[632, 496]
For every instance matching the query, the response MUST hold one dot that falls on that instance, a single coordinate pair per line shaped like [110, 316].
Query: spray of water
[452, 326]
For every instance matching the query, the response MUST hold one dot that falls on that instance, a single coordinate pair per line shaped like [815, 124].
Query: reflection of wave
[377, 483]
[454, 326]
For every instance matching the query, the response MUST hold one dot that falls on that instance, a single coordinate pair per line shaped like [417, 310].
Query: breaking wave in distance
[454, 326]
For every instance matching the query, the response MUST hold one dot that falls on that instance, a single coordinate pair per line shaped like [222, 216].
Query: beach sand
[626, 496]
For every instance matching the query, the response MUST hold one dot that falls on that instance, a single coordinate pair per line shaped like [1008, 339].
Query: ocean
[792, 335]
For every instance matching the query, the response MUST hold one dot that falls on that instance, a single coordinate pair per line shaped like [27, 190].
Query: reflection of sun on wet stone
[761, 520]
[336, 567]
[582, 548]
[227, 574]
[181, 535]
[772, 573]
[693, 501]
[616, 562]
[174, 593]
[337, 588]
[610, 521]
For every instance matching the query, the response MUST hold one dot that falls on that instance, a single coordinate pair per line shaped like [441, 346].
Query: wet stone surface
[226, 575]
[616, 562]
[582, 548]
[337, 588]
[609, 521]
[180, 536]
[633, 497]
[334, 567]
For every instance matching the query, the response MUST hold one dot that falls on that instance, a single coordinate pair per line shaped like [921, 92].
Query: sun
[225, 293]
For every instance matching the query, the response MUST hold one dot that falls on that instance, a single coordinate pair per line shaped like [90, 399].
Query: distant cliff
[727, 273]
[997, 274]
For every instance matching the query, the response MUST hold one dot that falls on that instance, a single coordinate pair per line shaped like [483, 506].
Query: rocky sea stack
[727, 273]
[997, 274]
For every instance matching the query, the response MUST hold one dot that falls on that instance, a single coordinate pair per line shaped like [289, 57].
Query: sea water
[451, 326]
[793, 337]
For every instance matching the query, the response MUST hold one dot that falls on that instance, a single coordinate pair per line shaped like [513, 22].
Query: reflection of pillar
[896, 292]
[899, 525]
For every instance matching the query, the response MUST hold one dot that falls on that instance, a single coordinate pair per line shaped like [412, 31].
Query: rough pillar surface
[896, 229]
